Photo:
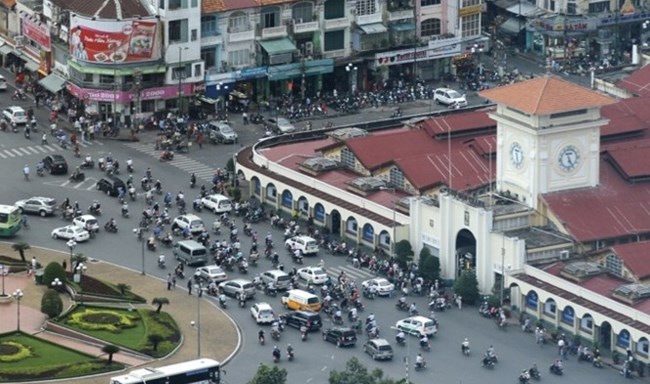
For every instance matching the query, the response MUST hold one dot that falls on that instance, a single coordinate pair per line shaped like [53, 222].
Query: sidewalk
[219, 336]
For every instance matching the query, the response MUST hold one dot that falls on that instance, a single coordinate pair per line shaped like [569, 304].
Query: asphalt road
[314, 358]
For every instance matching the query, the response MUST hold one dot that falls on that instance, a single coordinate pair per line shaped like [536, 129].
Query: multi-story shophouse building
[271, 47]
[122, 59]
[606, 31]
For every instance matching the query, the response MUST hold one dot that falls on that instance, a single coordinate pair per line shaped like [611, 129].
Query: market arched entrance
[335, 223]
[465, 251]
[605, 335]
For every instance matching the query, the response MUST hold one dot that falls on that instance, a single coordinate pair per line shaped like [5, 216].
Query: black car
[341, 336]
[111, 185]
[56, 164]
[311, 320]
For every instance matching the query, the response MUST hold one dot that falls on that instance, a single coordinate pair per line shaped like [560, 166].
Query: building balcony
[342, 22]
[300, 27]
[400, 15]
[235, 36]
[274, 32]
[334, 54]
[370, 19]
[207, 41]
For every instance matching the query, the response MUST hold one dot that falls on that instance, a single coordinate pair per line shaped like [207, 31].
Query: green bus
[10, 220]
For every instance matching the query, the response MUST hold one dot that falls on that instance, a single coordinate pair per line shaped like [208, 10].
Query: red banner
[37, 32]
[114, 41]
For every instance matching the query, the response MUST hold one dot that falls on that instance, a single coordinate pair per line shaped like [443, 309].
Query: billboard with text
[111, 41]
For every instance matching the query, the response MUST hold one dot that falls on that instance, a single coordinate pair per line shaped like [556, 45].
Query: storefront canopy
[5, 49]
[373, 28]
[525, 9]
[403, 27]
[118, 70]
[278, 47]
[513, 25]
[53, 83]
[31, 66]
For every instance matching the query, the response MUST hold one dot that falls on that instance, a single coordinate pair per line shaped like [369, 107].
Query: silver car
[378, 349]
[42, 206]
[237, 288]
[280, 125]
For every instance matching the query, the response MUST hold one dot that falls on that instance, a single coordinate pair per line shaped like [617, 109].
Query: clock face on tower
[569, 158]
[516, 155]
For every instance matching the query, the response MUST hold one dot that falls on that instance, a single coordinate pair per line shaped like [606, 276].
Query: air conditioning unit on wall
[564, 255]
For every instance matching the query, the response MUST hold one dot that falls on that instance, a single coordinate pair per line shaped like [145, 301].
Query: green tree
[159, 301]
[51, 303]
[428, 265]
[110, 350]
[467, 286]
[123, 288]
[230, 165]
[155, 339]
[269, 375]
[404, 253]
[78, 258]
[357, 373]
[53, 271]
[21, 247]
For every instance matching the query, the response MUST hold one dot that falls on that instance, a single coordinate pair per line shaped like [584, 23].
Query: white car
[417, 326]
[382, 286]
[262, 313]
[448, 96]
[15, 115]
[211, 273]
[305, 244]
[217, 203]
[313, 275]
[73, 232]
[194, 223]
[3, 83]
[87, 222]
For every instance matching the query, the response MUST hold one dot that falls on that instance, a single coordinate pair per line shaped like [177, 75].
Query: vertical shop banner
[110, 41]
[37, 32]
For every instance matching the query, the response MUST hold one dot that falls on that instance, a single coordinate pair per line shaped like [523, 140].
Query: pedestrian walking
[169, 281]
[459, 301]
[560, 346]
[64, 265]
[244, 117]
[174, 282]
[189, 286]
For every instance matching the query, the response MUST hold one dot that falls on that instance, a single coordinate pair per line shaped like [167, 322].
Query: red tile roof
[638, 82]
[214, 6]
[374, 151]
[630, 159]
[545, 95]
[635, 257]
[458, 122]
[612, 209]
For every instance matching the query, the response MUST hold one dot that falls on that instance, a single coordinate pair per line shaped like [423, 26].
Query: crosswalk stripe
[350, 271]
[2, 155]
[202, 171]
[24, 150]
[9, 153]
[42, 149]
[33, 150]
[49, 148]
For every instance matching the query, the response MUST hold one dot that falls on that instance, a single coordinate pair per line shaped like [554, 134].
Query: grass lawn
[135, 336]
[49, 361]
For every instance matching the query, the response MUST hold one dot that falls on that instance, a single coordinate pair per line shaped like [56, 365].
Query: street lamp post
[181, 75]
[115, 86]
[4, 270]
[18, 296]
[72, 245]
[81, 268]
[199, 294]
[352, 76]
[56, 284]
[137, 87]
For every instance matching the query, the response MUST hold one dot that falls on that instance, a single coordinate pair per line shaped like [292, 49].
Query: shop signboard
[111, 41]
[108, 95]
[37, 32]
[420, 54]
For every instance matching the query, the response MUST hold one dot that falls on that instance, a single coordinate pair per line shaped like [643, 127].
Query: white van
[300, 300]
[217, 203]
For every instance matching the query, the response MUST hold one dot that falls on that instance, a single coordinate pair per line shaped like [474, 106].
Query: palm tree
[154, 340]
[123, 288]
[21, 247]
[110, 349]
[159, 301]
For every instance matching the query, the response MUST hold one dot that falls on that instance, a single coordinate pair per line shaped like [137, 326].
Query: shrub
[53, 271]
[428, 265]
[467, 286]
[12, 351]
[51, 303]
[403, 252]
[103, 320]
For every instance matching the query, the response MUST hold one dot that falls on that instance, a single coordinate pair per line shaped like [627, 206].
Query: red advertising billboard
[110, 41]
[37, 32]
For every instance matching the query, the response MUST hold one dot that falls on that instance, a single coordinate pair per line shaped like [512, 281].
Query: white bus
[201, 371]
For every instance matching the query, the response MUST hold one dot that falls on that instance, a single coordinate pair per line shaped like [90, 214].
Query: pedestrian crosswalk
[358, 274]
[180, 161]
[31, 150]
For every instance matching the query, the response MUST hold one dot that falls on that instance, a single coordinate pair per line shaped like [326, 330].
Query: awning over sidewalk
[277, 47]
[403, 27]
[525, 9]
[513, 25]
[53, 83]
[31, 66]
[373, 28]
[5, 49]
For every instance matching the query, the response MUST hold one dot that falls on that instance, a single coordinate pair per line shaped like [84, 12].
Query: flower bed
[91, 286]
[103, 320]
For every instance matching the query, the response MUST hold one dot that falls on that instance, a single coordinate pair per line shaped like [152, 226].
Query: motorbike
[18, 95]
[554, 369]
[129, 168]
[489, 361]
[524, 377]
[95, 210]
[261, 340]
[400, 341]
[78, 176]
[161, 264]
[275, 335]
[402, 306]
[270, 290]
[290, 355]
[125, 213]
[396, 113]
[40, 172]
[303, 335]
[425, 346]
[87, 164]
[420, 366]
[151, 246]
[298, 259]
[222, 303]
[27, 134]
[465, 350]
[534, 373]
[108, 227]
[276, 356]
[242, 268]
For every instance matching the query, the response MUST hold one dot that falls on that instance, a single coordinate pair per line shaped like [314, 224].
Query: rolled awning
[369, 29]
[53, 83]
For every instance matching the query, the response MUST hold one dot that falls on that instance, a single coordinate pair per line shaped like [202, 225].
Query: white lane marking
[9, 153]
[323, 369]
[25, 151]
